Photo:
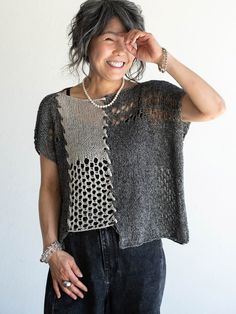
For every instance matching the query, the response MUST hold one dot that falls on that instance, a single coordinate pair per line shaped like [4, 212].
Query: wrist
[49, 238]
[163, 61]
[159, 59]
[54, 256]
[50, 250]
[171, 63]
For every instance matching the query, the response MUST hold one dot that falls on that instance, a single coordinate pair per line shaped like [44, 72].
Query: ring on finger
[67, 283]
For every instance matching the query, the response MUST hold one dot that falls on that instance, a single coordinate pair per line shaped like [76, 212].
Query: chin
[116, 77]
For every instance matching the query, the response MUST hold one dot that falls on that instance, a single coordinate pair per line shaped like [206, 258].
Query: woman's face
[110, 47]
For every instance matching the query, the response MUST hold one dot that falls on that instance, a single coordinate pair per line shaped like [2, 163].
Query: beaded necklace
[107, 105]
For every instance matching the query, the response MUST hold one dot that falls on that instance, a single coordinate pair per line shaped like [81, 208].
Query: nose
[120, 47]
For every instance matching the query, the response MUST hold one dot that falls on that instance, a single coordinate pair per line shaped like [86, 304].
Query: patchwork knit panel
[145, 137]
[91, 198]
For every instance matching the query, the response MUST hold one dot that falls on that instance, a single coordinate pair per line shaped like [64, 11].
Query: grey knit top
[119, 166]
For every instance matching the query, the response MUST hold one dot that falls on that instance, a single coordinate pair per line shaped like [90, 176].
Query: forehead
[115, 27]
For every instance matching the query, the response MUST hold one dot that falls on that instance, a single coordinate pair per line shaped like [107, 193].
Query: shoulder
[163, 91]
[47, 109]
[48, 98]
[48, 102]
[160, 85]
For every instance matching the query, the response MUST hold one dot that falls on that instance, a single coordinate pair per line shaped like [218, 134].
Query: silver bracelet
[55, 246]
[163, 64]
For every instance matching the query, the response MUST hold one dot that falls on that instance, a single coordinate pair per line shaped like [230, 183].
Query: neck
[97, 87]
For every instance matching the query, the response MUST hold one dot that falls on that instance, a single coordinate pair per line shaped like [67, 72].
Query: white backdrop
[34, 46]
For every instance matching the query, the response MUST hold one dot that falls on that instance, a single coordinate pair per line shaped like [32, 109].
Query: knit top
[119, 166]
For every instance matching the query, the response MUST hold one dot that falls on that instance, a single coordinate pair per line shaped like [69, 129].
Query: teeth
[116, 64]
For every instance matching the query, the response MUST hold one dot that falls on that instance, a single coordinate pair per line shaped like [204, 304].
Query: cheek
[101, 54]
[97, 58]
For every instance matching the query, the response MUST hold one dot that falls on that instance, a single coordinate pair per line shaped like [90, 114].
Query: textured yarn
[119, 166]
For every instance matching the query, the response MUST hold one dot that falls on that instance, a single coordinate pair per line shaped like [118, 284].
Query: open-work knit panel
[159, 106]
[91, 198]
[145, 136]
[164, 105]
[131, 111]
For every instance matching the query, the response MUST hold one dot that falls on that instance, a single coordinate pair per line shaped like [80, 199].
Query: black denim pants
[119, 281]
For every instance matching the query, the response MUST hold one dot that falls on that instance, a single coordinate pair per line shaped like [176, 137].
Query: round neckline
[63, 92]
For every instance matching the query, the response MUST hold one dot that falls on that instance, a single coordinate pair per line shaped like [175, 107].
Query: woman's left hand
[143, 46]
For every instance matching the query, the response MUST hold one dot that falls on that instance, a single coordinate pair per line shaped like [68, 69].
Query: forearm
[204, 97]
[49, 211]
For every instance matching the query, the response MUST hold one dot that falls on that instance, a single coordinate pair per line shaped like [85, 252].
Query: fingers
[76, 282]
[72, 291]
[76, 270]
[133, 35]
[56, 288]
[131, 49]
[134, 39]
[63, 267]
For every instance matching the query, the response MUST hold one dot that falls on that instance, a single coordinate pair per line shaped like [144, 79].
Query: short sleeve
[44, 129]
[171, 95]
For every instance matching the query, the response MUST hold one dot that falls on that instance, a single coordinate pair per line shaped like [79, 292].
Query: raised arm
[201, 101]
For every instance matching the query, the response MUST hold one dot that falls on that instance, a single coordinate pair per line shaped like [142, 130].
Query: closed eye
[108, 38]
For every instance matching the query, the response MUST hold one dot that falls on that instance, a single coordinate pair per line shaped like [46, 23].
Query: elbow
[222, 106]
[220, 109]
[50, 188]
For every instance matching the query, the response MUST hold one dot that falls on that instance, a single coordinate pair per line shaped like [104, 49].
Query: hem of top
[123, 243]
[109, 225]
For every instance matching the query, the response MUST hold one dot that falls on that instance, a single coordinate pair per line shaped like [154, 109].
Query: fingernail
[58, 296]
[80, 275]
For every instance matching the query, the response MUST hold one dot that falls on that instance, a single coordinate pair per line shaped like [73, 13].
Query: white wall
[200, 275]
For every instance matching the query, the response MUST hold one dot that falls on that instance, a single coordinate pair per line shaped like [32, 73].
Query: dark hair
[91, 20]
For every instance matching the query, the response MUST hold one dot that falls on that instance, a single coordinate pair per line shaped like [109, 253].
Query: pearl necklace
[103, 106]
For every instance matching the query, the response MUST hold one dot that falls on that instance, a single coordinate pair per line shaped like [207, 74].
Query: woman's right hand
[63, 267]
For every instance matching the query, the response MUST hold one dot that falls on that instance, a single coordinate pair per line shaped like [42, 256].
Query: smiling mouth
[116, 64]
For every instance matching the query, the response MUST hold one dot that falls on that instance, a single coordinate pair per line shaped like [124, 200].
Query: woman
[112, 165]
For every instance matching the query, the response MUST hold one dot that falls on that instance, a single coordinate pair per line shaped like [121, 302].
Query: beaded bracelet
[55, 246]
[163, 64]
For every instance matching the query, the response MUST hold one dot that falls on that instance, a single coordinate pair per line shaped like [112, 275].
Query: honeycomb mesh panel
[91, 199]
